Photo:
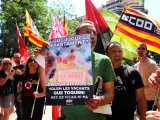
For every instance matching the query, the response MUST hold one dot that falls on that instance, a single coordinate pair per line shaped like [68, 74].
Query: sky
[153, 6]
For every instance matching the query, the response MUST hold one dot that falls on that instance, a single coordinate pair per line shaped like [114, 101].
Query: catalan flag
[31, 31]
[136, 27]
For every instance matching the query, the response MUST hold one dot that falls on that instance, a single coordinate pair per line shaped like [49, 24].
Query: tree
[42, 16]
[13, 11]
[60, 9]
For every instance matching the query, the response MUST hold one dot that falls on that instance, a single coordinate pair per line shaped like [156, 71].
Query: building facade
[117, 5]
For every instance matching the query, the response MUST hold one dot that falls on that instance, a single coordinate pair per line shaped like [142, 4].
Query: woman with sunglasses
[32, 78]
[6, 88]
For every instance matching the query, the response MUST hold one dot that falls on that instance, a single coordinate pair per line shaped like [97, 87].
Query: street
[46, 116]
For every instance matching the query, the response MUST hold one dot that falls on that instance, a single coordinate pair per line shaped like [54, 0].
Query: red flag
[57, 30]
[94, 15]
[23, 50]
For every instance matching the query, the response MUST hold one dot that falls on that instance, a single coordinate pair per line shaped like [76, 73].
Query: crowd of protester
[128, 89]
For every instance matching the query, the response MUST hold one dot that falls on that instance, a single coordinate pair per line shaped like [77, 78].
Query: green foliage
[42, 15]
[60, 9]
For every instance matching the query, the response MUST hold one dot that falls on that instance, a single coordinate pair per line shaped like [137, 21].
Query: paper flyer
[69, 70]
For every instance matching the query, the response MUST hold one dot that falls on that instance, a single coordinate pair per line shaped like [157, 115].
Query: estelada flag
[136, 27]
[31, 31]
[23, 50]
[57, 30]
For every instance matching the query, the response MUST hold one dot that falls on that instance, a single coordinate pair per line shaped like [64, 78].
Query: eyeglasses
[7, 63]
[31, 60]
[141, 48]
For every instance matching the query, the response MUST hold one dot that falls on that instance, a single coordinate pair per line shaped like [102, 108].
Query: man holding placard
[103, 74]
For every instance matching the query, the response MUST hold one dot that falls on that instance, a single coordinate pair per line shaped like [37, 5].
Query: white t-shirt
[146, 69]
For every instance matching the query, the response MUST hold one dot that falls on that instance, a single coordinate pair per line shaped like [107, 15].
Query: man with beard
[101, 67]
[20, 67]
[146, 67]
[128, 87]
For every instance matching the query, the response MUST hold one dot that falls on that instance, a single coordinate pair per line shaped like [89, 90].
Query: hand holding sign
[93, 103]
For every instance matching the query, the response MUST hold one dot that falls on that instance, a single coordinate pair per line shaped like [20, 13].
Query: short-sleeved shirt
[125, 88]
[9, 82]
[29, 85]
[101, 66]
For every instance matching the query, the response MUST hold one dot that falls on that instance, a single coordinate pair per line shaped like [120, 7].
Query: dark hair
[107, 46]
[26, 71]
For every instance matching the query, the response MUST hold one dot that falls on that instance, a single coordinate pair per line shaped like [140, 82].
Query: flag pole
[34, 101]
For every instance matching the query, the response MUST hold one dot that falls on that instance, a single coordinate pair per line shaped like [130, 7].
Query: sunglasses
[7, 63]
[31, 60]
[141, 48]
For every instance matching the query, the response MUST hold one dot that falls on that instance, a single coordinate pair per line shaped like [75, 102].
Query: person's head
[17, 58]
[6, 64]
[114, 52]
[142, 50]
[31, 64]
[87, 27]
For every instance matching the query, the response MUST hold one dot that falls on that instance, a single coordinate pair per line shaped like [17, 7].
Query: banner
[70, 75]
[135, 27]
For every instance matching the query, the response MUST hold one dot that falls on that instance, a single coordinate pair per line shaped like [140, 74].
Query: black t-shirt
[125, 88]
[17, 77]
[9, 82]
[30, 83]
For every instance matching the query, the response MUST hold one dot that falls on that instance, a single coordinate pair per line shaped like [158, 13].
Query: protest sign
[69, 70]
